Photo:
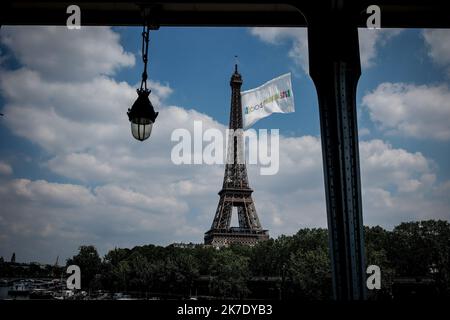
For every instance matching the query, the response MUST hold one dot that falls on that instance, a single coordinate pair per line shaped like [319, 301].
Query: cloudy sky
[71, 173]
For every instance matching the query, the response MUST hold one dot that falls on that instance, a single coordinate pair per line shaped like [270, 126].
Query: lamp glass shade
[141, 128]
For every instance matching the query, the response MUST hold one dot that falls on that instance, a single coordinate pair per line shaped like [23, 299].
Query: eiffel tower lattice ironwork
[236, 191]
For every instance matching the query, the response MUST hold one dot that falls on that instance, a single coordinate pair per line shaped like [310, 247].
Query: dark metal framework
[288, 13]
[335, 70]
[236, 191]
[334, 67]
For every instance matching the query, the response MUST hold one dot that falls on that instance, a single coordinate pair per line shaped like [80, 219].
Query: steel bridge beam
[287, 13]
[334, 68]
[334, 65]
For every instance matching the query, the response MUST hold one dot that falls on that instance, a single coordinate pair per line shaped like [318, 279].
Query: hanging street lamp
[142, 115]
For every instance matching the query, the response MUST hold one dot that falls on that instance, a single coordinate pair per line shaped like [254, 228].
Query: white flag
[273, 96]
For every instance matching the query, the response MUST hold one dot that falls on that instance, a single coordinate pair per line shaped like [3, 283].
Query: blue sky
[71, 174]
[199, 66]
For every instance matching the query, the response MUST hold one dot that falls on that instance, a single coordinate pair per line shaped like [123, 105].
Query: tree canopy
[296, 266]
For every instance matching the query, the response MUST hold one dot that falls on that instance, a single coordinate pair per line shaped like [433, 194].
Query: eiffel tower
[236, 192]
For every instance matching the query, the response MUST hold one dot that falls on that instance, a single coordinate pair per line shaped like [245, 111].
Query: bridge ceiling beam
[395, 14]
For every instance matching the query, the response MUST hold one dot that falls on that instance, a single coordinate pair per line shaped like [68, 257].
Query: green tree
[377, 241]
[121, 275]
[205, 255]
[140, 272]
[308, 266]
[116, 255]
[422, 249]
[229, 275]
[186, 270]
[267, 258]
[310, 274]
[301, 261]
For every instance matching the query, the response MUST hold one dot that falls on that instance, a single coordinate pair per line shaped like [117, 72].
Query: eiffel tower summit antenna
[236, 192]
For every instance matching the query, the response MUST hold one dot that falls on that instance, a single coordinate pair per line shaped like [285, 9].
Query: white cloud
[98, 105]
[43, 192]
[164, 203]
[298, 38]
[393, 181]
[68, 55]
[156, 195]
[161, 91]
[121, 192]
[362, 132]
[419, 111]
[83, 167]
[438, 43]
[370, 41]
[386, 167]
[5, 168]
[399, 186]
[41, 219]
[83, 126]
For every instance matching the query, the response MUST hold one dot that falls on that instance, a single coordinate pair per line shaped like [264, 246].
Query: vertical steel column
[335, 69]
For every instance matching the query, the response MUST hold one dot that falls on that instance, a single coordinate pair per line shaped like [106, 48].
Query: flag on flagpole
[273, 96]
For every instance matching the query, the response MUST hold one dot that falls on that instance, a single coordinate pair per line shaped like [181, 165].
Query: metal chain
[145, 40]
